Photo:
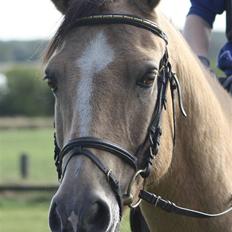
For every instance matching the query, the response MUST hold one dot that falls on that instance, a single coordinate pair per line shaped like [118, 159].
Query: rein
[150, 147]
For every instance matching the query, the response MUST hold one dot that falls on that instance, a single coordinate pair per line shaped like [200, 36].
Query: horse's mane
[77, 9]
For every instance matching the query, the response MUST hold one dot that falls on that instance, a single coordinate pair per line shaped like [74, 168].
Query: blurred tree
[26, 94]
[21, 51]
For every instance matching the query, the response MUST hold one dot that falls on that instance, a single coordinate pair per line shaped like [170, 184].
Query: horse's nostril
[54, 219]
[98, 215]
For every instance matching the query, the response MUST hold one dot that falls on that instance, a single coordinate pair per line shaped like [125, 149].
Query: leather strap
[113, 182]
[171, 207]
[122, 19]
[91, 142]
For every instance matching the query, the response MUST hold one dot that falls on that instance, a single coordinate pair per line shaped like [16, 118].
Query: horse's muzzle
[91, 214]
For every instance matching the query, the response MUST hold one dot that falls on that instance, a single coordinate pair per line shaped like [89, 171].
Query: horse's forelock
[77, 9]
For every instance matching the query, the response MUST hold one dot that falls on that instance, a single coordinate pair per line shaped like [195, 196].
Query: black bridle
[149, 148]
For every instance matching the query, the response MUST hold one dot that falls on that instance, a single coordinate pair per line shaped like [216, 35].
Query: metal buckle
[128, 197]
[108, 174]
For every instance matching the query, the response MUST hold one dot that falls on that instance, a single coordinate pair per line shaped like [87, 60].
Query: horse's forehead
[96, 55]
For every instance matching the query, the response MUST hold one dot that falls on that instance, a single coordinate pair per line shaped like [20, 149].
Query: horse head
[106, 83]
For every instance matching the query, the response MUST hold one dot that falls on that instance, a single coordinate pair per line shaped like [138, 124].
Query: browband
[122, 19]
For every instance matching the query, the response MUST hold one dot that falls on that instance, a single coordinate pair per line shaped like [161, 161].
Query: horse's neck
[203, 92]
[209, 123]
[205, 135]
[201, 169]
[200, 173]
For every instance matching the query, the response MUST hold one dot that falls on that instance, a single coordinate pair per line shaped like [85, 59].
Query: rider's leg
[225, 64]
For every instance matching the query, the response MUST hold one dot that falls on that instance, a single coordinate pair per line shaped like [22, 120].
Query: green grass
[217, 71]
[38, 144]
[24, 212]
[28, 212]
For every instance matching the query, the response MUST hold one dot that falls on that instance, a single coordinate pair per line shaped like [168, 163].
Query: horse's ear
[153, 3]
[148, 4]
[62, 5]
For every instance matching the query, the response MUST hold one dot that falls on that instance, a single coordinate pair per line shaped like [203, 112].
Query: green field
[24, 212]
[38, 144]
[27, 212]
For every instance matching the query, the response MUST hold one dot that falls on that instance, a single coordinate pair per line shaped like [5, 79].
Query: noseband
[149, 148]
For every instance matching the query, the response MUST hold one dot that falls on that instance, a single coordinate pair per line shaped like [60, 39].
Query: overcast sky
[36, 19]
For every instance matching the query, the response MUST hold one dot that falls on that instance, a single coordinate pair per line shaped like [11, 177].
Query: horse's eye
[52, 83]
[148, 78]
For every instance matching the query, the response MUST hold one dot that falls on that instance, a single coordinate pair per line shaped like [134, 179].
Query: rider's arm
[199, 23]
[197, 33]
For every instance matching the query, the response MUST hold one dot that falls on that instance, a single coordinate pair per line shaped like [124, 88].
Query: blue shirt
[207, 9]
